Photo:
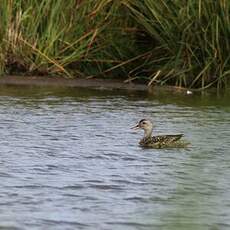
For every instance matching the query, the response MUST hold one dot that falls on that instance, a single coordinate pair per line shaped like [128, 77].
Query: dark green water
[70, 161]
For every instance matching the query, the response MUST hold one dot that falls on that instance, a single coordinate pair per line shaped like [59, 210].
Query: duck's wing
[166, 138]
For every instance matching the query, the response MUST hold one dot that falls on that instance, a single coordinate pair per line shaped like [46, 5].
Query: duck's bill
[135, 127]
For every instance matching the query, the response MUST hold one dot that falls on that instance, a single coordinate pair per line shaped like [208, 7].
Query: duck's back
[161, 141]
[166, 138]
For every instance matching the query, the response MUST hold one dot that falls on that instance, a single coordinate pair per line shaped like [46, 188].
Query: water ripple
[70, 161]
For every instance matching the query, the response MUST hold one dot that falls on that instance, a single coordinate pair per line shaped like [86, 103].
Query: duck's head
[146, 125]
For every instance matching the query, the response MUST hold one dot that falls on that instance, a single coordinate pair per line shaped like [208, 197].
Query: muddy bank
[64, 82]
[94, 83]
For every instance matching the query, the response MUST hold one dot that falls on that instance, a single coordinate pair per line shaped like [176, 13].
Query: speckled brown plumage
[162, 141]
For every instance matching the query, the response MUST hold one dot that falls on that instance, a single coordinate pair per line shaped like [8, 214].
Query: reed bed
[182, 43]
[71, 38]
[190, 40]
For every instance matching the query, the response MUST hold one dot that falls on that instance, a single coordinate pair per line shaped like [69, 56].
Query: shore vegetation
[180, 43]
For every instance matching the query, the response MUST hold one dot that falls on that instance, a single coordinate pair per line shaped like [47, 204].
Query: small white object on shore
[188, 92]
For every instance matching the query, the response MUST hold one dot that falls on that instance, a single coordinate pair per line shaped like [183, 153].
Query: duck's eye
[143, 122]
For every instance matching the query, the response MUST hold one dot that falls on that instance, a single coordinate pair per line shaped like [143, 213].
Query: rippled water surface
[70, 161]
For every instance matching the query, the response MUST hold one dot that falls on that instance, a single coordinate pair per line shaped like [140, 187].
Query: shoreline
[93, 83]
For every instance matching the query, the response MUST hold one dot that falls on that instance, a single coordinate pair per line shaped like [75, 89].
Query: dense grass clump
[190, 40]
[182, 43]
[56, 36]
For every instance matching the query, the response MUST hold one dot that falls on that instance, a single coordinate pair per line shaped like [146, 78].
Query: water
[68, 160]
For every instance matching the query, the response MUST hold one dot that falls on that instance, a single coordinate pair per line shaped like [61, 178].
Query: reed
[55, 36]
[183, 43]
[189, 40]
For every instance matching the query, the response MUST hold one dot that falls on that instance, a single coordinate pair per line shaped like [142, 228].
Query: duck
[162, 141]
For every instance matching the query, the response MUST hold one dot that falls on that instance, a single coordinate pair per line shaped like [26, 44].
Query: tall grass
[190, 40]
[184, 43]
[56, 36]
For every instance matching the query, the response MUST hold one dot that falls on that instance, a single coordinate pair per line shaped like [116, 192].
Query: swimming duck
[163, 141]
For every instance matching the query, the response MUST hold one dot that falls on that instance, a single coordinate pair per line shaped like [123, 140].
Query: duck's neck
[148, 133]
